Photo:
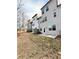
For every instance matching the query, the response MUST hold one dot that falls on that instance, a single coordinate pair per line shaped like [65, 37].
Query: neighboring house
[29, 26]
[35, 24]
[50, 21]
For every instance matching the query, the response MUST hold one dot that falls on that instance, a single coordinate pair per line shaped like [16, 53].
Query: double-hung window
[42, 11]
[47, 8]
[54, 14]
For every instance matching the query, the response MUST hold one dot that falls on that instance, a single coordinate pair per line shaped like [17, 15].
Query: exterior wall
[58, 20]
[51, 20]
[29, 27]
[35, 24]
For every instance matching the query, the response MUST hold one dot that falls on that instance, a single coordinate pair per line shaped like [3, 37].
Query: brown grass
[31, 46]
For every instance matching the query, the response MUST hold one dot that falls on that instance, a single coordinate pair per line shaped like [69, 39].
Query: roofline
[48, 2]
[34, 15]
[45, 4]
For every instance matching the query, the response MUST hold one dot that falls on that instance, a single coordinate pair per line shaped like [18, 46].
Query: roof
[45, 4]
[34, 15]
[49, 2]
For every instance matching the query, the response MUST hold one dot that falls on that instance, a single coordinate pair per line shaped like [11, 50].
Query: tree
[21, 16]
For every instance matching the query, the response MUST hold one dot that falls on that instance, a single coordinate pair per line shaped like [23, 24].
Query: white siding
[51, 20]
[35, 23]
[29, 26]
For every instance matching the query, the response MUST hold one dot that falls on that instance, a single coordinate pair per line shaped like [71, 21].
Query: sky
[33, 6]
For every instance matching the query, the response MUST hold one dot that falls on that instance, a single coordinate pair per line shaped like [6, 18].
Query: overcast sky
[33, 6]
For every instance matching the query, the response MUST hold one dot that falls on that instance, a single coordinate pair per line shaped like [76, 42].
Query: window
[41, 29]
[43, 21]
[54, 28]
[42, 11]
[47, 8]
[45, 18]
[50, 29]
[44, 29]
[54, 14]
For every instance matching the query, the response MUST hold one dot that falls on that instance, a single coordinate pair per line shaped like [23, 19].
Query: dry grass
[48, 46]
[39, 46]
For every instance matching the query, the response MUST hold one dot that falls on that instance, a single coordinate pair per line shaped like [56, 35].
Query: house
[29, 26]
[50, 21]
[35, 24]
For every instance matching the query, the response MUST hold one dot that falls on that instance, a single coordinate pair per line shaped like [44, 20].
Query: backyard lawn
[32, 46]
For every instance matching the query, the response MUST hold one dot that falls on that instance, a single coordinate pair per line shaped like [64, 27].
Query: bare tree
[21, 16]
